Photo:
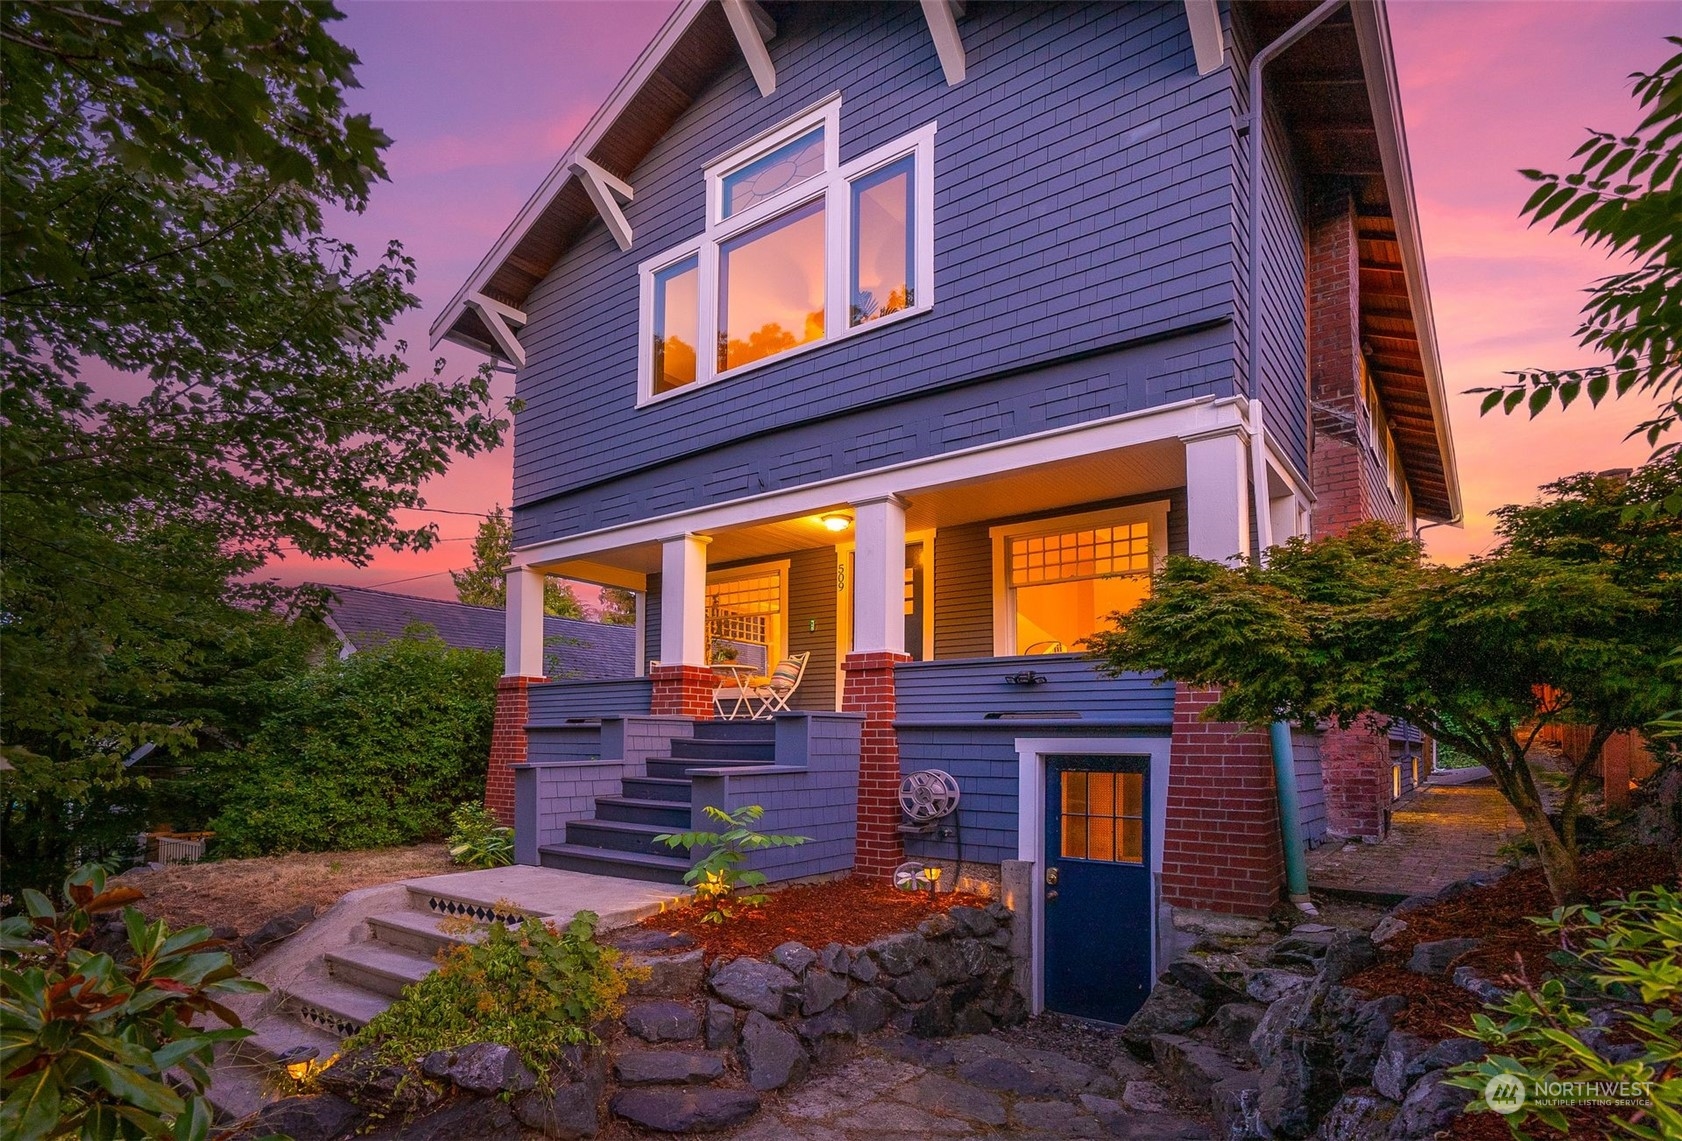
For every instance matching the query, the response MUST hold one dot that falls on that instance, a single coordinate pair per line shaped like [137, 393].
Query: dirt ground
[245, 894]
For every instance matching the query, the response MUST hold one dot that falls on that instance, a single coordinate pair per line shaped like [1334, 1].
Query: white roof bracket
[1207, 41]
[606, 192]
[496, 317]
[942, 16]
[754, 28]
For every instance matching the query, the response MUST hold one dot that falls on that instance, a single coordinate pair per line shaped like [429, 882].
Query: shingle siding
[1083, 204]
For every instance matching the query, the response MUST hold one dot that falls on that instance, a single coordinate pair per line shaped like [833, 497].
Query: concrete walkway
[1440, 834]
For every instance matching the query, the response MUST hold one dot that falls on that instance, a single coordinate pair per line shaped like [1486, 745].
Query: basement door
[1097, 886]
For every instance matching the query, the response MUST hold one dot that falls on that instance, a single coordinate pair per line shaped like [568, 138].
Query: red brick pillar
[1220, 846]
[508, 745]
[682, 691]
[1615, 768]
[869, 689]
[1355, 770]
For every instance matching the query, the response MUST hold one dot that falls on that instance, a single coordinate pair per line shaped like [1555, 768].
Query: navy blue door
[1097, 886]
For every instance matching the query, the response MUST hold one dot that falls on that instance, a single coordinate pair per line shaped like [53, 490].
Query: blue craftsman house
[903, 340]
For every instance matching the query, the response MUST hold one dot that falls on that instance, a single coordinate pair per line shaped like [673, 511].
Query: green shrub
[533, 988]
[717, 874]
[478, 839]
[1624, 955]
[88, 1038]
[366, 752]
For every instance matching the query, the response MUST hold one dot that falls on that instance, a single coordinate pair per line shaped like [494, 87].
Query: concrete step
[669, 814]
[704, 748]
[679, 768]
[620, 836]
[658, 788]
[623, 865]
[378, 968]
[419, 932]
[429, 899]
[331, 1005]
[278, 1042]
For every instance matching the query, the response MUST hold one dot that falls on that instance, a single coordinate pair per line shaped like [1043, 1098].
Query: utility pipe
[1279, 733]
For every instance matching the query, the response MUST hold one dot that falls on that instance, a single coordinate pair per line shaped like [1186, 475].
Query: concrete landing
[550, 892]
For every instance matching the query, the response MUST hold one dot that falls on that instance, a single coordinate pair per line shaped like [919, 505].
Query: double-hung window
[798, 250]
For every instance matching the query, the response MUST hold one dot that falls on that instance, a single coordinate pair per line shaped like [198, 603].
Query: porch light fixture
[836, 521]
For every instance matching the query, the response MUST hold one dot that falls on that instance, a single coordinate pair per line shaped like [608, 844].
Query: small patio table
[739, 676]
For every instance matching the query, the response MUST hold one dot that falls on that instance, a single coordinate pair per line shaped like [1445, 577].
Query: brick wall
[869, 690]
[682, 691]
[1355, 769]
[508, 745]
[1220, 847]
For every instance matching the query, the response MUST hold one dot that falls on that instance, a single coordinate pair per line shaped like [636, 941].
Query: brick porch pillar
[1220, 848]
[1355, 769]
[869, 689]
[508, 745]
[682, 691]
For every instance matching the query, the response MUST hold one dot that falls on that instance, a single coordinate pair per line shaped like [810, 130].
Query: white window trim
[834, 186]
[778, 567]
[1155, 514]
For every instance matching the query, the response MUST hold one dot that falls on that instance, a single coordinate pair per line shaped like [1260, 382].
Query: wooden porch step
[679, 768]
[603, 862]
[671, 790]
[672, 815]
[729, 748]
[623, 836]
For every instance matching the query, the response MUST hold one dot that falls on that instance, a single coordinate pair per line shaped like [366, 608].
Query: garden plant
[90, 1035]
[477, 839]
[717, 874]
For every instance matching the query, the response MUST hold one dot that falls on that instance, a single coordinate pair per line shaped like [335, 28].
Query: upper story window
[798, 250]
[1379, 439]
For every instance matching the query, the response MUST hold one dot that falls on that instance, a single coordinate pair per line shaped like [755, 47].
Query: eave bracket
[606, 192]
[942, 17]
[1207, 41]
[496, 317]
[754, 28]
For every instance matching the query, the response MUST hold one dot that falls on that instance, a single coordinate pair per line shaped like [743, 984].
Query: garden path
[1440, 834]
[1047, 1081]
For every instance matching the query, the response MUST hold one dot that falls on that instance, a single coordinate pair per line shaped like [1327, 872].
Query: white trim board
[1128, 429]
[1030, 825]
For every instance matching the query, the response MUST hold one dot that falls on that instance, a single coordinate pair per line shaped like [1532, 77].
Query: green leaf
[1539, 398]
[1490, 400]
[135, 1089]
[30, 1110]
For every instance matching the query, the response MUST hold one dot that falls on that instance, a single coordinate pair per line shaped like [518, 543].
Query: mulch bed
[852, 911]
[1498, 915]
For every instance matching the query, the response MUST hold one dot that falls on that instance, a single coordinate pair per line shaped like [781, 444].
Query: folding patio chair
[772, 697]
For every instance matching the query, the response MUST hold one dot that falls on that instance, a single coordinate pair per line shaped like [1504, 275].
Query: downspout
[1279, 733]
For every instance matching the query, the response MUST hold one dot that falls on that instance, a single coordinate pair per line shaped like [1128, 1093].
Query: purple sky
[482, 99]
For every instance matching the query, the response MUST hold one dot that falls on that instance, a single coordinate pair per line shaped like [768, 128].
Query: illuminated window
[1059, 580]
[744, 617]
[1103, 817]
[798, 249]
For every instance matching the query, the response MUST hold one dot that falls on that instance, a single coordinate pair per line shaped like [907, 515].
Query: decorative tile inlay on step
[323, 1019]
[477, 912]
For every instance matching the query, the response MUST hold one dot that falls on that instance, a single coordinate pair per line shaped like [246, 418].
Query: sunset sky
[482, 99]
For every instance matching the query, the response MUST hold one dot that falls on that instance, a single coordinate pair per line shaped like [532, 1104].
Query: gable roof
[586, 651]
[1341, 101]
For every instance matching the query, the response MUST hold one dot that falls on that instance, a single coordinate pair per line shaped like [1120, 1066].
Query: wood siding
[1083, 225]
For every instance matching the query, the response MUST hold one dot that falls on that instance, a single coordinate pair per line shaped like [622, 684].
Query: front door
[1097, 886]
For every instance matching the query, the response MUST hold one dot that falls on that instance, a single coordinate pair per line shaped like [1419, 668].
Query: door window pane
[882, 242]
[789, 165]
[677, 325]
[1103, 816]
[771, 288]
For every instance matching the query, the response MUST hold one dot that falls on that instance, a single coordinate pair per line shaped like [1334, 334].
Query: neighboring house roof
[583, 650]
[1339, 96]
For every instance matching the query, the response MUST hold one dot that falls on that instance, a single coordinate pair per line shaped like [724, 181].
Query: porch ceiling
[1042, 489]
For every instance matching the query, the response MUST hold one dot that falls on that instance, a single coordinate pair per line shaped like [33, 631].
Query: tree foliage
[1626, 195]
[619, 607]
[166, 172]
[367, 752]
[1568, 620]
[485, 583]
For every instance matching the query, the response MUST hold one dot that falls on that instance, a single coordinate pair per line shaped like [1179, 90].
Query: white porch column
[683, 601]
[1218, 495]
[879, 575]
[523, 613]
